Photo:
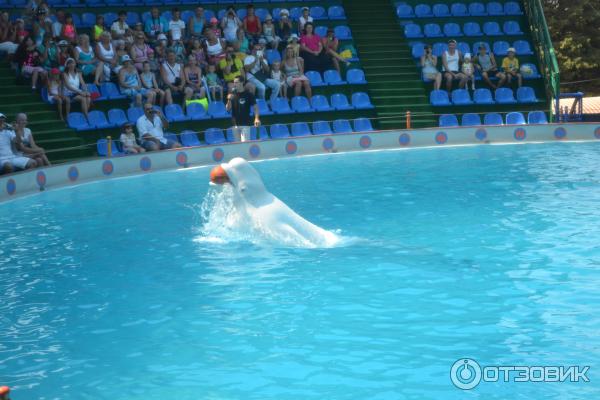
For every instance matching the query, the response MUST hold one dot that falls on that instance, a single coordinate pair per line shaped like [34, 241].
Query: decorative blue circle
[181, 159]
[40, 178]
[481, 134]
[597, 132]
[365, 141]
[560, 133]
[107, 167]
[73, 173]
[291, 147]
[328, 143]
[254, 150]
[404, 139]
[11, 186]
[520, 134]
[441, 137]
[145, 163]
[218, 154]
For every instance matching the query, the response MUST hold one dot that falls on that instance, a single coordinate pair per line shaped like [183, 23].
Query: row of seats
[500, 48]
[195, 112]
[216, 136]
[528, 71]
[513, 118]
[110, 3]
[483, 96]
[474, 9]
[471, 29]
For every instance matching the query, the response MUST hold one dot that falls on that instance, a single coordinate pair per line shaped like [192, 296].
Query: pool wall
[33, 181]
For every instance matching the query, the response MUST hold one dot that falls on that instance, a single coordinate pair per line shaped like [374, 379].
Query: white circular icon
[465, 373]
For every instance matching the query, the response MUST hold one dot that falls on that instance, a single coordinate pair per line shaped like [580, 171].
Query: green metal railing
[545, 50]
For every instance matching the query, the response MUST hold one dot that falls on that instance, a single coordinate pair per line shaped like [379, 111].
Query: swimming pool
[116, 289]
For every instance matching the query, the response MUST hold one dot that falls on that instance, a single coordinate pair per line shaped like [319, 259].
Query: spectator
[429, 65]
[57, 25]
[155, 25]
[128, 141]
[279, 76]
[179, 49]
[258, 73]
[9, 161]
[197, 52]
[510, 65]
[20, 31]
[139, 51]
[304, 19]
[99, 27]
[74, 87]
[468, 71]
[196, 23]
[213, 82]
[69, 31]
[230, 24]
[193, 81]
[138, 29]
[312, 51]
[252, 25]
[331, 45]
[154, 64]
[28, 57]
[160, 49]
[40, 27]
[64, 53]
[48, 53]
[24, 143]
[269, 33]
[284, 27]
[486, 64]
[176, 26]
[56, 93]
[293, 42]
[119, 28]
[239, 103]
[150, 130]
[108, 55]
[242, 41]
[171, 73]
[130, 82]
[149, 83]
[293, 67]
[8, 37]
[231, 67]
[215, 47]
[214, 26]
[451, 60]
[87, 61]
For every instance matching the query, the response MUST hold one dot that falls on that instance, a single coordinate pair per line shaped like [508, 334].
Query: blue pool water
[111, 290]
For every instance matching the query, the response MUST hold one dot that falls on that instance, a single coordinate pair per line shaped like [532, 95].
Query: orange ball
[218, 175]
[4, 390]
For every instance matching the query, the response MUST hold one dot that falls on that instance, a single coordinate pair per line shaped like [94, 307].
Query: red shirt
[252, 24]
[311, 42]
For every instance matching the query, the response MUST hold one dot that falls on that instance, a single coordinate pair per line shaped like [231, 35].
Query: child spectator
[119, 28]
[304, 19]
[154, 63]
[176, 26]
[28, 57]
[193, 81]
[149, 83]
[252, 25]
[69, 31]
[128, 141]
[269, 33]
[510, 65]
[55, 93]
[212, 80]
[279, 76]
[179, 49]
[98, 27]
[469, 71]
[198, 53]
[284, 27]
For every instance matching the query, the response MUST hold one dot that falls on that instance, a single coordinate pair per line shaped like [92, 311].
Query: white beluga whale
[262, 213]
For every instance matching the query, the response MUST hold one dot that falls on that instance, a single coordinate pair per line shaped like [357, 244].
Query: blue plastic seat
[472, 29]
[272, 55]
[501, 48]
[88, 20]
[477, 10]
[463, 47]
[174, 113]
[300, 104]
[279, 131]
[342, 32]
[405, 11]
[336, 12]
[263, 108]
[439, 98]
[185, 15]
[526, 94]
[470, 119]
[361, 101]
[102, 148]
[321, 128]
[412, 31]
[432, 30]
[461, 97]
[515, 118]
[537, 117]
[300, 129]
[167, 15]
[77, 121]
[505, 96]
[98, 120]
[189, 139]
[512, 8]
[439, 48]
[259, 134]
[321, 30]
[529, 71]
[132, 18]
[110, 91]
[280, 105]
[171, 136]
[117, 117]
[196, 112]
[522, 48]
[441, 10]
[315, 78]
[342, 126]
[423, 11]
[295, 13]
[452, 29]
[320, 103]
[459, 10]
[494, 9]
[356, 76]
[417, 50]
[483, 96]
[493, 119]
[216, 109]
[340, 102]
[476, 46]
[262, 13]
[492, 28]
[512, 28]
[363, 125]
[92, 88]
[109, 18]
[214, 136]
[448, 120]
[332, 77]
[134, 113]
[316, 12]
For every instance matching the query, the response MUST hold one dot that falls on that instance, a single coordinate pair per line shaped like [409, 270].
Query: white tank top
[452, 61]
[73, 81]
[215, 49]
[173, 71]
[107, 54]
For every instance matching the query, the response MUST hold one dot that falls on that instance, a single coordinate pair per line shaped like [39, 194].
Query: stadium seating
[102, 148]
[174, 113]
[512, 28]
[439, 98]
[477, 10]
[483, 96]
[492, 28]
[492, 119]
[361, 101]
[263, 108]
[280, 105]
[279, 131]
[537, 117]
[214, 136]
[356, 77]
[342, 126]
[315, 79]
[216, 109]
[197, 112]
[320, 103]
[300, 129]
[77, 121]
[448, 120]
[515, 118]
[441, 10]
[412, 31]
[339, 101]
[461, 97]
[470, 119]
[432, 31]
[117, 117]
[189, 139]
[362, 125]
[134, 113]
[332, 77]
[98, 120]
[423, 11]
[505, 96]
[300, 104]
[321, 128]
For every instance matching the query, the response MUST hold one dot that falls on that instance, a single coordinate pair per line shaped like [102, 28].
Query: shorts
[15, 162]
[148, 144]
[430, 75]
[29, 70]
[241, 133]
[134, 92]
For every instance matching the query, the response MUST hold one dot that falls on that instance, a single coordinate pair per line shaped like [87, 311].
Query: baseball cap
[249, 60]
[125, 58]
[55, 71]
[262, 41]
[63, 43]
[511, 49]
[213, 20]
[284, 11]
[305, 9]
[292, 37]
[162, 36]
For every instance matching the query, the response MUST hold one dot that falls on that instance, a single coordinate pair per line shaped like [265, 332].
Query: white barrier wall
[32, 181]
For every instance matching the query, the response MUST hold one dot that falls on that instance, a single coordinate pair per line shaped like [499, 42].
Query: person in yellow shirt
[98, 27]
[231, 67]
[510, 65]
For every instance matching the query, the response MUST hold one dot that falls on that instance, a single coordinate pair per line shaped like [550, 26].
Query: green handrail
[545, 49]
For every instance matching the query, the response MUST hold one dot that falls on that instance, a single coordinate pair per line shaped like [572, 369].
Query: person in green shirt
[510, 65]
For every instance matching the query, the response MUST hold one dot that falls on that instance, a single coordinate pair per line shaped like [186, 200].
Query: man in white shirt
[176, 26]
[304, 19]
[9, 161]
[150, 130]
[57, 25]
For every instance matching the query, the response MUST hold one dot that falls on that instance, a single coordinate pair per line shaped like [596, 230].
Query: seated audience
[87, 61]
[279, 76]
[58, 23]
[486, 64]
[198, 53]
[331, 45]
[304, 19]
[312, 51]
[69, 31]
[24, 143]
[8, 34]
[429, 65]
[119, 28]
[230, 24]
[269, 33]
[284, 26]
[155, 25]
[510, 65]
[451, 60]
[130, 82]
[128, 141]
[150, 130]
[214, 83]
[193, 81]
[176, 26]
[28, 57]
[56, 93]
[242, 41]
[258, 73]
[9, 161]
[252, 25]
[107, 54]
[149, 83]
[215, 47]
[231, 67]
[74, 87]
[468, 71]
[196, 23]
[98, 28]
[171, 73]
[293, 67]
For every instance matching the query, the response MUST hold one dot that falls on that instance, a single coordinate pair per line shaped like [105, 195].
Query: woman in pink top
[331, 44]
[312, 51]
